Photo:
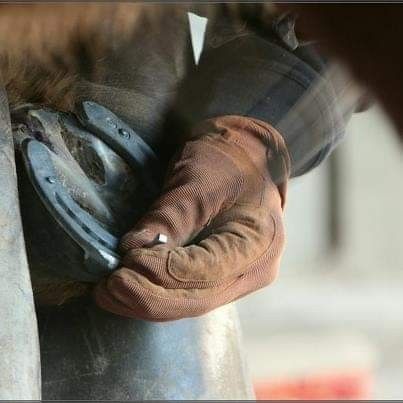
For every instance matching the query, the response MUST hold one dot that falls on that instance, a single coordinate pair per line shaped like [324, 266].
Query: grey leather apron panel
[88, 354]
[19, 347]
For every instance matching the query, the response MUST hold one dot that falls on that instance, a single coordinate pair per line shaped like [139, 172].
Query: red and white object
[330, 365]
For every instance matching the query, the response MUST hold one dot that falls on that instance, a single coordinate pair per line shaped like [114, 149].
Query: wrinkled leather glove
[222, 211]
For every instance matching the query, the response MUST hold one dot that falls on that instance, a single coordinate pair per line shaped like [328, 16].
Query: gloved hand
[222, 212]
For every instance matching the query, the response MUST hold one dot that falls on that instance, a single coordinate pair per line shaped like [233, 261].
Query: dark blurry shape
[367, 37]
[364, 103]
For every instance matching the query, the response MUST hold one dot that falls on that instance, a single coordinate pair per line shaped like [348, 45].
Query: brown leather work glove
[223, 216]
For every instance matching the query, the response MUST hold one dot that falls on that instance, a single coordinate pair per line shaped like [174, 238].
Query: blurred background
[331, 325]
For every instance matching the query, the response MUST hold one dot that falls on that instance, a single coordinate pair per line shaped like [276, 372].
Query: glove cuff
[260, 140]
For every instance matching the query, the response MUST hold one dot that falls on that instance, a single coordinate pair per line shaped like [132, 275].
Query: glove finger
[130, 295]
[105, 300]
[201, 182]
[227, 253]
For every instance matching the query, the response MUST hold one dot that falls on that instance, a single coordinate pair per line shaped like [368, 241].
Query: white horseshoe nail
[161, 239]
